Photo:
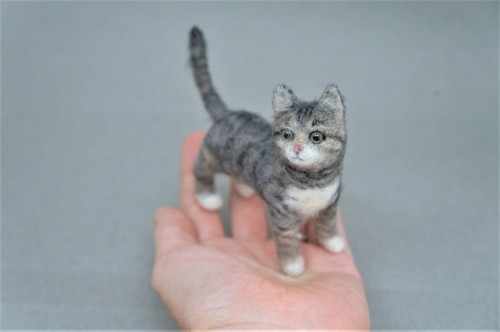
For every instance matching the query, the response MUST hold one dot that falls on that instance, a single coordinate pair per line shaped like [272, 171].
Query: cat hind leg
[210, 201]
[204, 172]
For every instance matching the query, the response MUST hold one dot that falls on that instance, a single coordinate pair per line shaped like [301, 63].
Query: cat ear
[283, 98]
[332, 99]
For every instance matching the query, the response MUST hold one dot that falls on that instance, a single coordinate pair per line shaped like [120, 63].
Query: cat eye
[287, 134]
[316, 137]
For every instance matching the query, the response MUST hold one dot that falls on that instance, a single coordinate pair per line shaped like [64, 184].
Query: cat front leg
[288, 249]
[327, 231]
[204, 172]
[288, 241]
[243, 189]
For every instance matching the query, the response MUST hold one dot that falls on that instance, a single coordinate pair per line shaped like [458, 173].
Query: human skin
[211, 281]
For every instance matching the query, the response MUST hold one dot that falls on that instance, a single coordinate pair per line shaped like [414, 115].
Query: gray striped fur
[213, 103]
[296, 185]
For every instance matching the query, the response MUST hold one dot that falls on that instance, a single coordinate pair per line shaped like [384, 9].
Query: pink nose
[297, 148]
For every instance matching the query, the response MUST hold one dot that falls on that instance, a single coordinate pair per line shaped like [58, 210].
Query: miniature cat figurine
[294, 164]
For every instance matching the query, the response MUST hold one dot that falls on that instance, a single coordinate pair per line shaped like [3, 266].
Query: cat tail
[213, 102]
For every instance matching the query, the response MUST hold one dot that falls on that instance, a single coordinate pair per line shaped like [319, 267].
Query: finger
[208, 224]
[248, 217]
[172, 230]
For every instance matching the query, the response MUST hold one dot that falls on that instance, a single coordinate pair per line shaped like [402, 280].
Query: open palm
[210, 281]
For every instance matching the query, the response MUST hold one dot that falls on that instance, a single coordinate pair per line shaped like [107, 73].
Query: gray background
[98, 97]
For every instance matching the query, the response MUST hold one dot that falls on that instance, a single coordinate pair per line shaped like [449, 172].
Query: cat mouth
[298, 158]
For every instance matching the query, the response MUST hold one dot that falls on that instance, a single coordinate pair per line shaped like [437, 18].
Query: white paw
[244, 190]
[334, 244]
[210, 201]
[294, 267]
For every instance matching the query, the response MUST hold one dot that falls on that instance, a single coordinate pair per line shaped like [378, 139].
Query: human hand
[210, 281]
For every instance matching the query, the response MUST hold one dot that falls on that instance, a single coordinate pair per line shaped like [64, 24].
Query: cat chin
[302, 162]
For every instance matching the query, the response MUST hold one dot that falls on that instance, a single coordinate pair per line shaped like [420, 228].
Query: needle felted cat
[294, 163]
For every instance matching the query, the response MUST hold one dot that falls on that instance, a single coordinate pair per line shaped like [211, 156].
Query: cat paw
[244, 190]
[294, 267]
[210, 201]
[335, 244]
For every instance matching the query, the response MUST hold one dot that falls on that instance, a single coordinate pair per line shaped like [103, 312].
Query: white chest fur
[309, 202]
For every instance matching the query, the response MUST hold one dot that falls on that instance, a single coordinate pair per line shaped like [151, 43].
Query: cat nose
[297, 148]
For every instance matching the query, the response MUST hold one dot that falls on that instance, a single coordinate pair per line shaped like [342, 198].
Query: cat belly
[309, 202]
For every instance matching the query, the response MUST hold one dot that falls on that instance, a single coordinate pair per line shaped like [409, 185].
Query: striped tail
[213, 103]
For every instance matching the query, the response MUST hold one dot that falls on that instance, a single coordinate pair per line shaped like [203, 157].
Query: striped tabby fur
[294, 163]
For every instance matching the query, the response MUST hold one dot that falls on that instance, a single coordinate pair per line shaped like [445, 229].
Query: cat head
[311, 135]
